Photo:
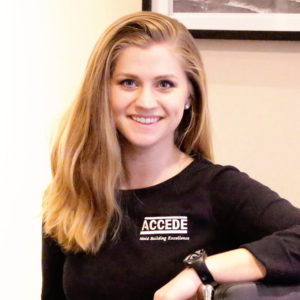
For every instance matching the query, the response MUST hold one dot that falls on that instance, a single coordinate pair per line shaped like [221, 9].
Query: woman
[134, 190]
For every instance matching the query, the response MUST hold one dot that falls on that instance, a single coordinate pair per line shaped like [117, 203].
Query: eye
[166, 84]
[128, 83]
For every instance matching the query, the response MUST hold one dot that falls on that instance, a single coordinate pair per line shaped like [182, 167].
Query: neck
[147, 167]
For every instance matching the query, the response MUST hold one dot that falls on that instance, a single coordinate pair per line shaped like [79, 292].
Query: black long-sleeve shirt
[205, 206]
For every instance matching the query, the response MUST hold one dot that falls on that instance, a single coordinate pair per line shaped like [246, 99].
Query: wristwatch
[196, 261]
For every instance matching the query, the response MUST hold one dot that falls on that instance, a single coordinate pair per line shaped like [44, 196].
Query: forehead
[155, 59]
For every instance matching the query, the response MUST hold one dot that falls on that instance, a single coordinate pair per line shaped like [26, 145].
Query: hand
[185, 286]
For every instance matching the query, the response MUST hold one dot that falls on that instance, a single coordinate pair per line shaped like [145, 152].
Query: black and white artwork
[237, 6]
[234, 19]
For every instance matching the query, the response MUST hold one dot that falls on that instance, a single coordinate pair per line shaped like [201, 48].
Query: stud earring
[187, 106]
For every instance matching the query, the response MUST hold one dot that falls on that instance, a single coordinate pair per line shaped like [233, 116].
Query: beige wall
[254, 93]
[254, 96]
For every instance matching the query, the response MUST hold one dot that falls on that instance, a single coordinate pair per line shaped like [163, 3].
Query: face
[149, 91]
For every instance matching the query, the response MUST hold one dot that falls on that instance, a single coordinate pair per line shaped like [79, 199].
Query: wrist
[196, 261]
[193, 276]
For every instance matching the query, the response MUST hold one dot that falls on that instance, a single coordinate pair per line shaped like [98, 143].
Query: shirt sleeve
[260, 221]
[52, 270]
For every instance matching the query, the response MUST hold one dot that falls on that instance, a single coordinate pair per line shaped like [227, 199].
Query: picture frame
[249, 26]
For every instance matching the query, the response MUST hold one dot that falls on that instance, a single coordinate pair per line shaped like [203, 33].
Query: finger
[201, 292]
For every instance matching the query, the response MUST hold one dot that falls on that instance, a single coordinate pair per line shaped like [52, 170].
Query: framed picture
[234, 19]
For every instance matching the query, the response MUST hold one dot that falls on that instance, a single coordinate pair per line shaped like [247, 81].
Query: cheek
[115, 108]
[176, 103]
[119, 99]
[113, 95]
[115, 101]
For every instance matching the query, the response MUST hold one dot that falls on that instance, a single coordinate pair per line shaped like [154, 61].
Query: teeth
[145, 120]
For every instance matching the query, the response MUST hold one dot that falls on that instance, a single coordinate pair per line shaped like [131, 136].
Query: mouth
[146, 120]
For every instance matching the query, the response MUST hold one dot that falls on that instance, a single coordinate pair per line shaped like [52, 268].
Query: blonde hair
[80, 209]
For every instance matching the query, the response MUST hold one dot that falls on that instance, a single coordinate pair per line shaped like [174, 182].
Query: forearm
[235, 265]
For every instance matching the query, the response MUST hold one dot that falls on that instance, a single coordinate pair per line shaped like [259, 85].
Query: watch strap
[202, 271]
[196, 261]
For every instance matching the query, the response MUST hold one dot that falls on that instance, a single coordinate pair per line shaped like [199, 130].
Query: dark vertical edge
[146, 5]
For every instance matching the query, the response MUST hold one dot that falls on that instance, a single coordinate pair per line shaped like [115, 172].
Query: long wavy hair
[80, 208]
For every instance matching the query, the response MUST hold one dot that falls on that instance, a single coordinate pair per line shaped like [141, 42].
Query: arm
[230, 266]
[261, 223]
[185, 286]
[235, 265]
[259, 220]
[52, 270]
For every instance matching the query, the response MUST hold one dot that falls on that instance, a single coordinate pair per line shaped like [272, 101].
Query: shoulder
[210, 171]
[50, 246]
[229, 181]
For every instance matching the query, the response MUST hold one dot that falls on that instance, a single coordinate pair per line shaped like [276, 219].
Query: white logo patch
[164, 225]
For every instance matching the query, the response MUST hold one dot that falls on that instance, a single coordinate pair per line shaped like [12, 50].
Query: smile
[145, 120]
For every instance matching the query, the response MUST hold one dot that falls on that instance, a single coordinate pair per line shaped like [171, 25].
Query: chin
[141, 143]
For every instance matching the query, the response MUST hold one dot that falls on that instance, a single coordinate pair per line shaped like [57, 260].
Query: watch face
[197, 255]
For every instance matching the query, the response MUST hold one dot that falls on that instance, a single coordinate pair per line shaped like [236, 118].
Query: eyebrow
[156, 77]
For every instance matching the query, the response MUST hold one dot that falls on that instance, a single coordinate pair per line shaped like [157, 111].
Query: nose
[146, 98]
